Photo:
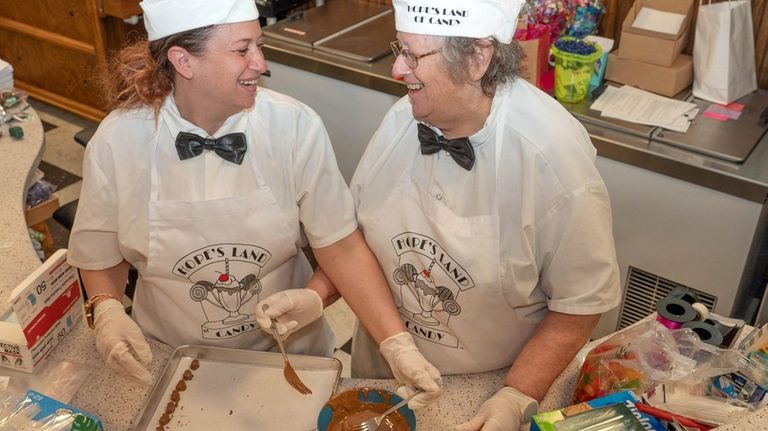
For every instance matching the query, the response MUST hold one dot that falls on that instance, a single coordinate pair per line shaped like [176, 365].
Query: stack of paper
[639, 106]
[6, 75]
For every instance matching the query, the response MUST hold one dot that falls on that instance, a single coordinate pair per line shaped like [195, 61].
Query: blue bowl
[368, 396]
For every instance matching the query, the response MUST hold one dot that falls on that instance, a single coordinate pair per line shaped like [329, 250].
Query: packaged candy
[641, 357]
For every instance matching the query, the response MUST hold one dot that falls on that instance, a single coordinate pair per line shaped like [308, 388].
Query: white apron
[210, 262]
[444, 274]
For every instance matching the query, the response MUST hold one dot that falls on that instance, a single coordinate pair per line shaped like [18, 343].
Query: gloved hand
[292, 309]
[413, 370]
[116, 335]
[505, 411]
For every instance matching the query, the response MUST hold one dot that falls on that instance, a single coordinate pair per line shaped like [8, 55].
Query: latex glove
[292, 309]
[507, 410]
[412, 369]
[120, 341]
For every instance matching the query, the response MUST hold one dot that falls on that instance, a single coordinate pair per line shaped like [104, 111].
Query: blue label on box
[736, 385]
[49, 406]
[629, 399]
[544, 421]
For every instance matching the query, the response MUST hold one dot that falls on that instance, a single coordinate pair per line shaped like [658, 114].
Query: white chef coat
[131, 167]
[475, 259]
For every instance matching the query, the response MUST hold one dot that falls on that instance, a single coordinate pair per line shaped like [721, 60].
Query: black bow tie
[460, 149]
[230, 147]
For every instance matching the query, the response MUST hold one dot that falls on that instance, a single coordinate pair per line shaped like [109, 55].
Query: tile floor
[62, 165]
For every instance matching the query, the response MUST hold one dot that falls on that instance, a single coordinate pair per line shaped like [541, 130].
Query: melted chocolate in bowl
[349, 410]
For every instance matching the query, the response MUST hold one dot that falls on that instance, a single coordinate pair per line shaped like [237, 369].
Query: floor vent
[644, 289]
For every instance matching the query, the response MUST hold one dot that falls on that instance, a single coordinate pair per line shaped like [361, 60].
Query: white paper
[605, 44]
[638, 106]
[658, 20]
[6, 75]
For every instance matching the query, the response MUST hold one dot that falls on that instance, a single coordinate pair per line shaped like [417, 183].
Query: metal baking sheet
[308, 27]
[238, 390]
[366, 42]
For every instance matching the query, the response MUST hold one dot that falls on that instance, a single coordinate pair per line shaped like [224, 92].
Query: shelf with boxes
[653, 36]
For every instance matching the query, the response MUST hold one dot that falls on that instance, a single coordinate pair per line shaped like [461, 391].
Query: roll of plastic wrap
[673, 312]
[706, 331]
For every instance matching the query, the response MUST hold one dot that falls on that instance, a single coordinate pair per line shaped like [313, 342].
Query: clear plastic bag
[680, 355]
[40, 192]
[18, 412]
[646, 355]
[57, 379]
[693, 401]
[30, 410]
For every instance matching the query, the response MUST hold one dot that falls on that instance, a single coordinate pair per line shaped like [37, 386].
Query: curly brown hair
[141, 74]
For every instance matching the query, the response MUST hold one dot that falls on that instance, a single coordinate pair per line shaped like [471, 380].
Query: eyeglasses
[411, 59]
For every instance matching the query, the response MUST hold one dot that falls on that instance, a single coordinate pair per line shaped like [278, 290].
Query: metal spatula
[288, 372]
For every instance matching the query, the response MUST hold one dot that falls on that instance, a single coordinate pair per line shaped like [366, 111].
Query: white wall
[351, 113]
[686, 233]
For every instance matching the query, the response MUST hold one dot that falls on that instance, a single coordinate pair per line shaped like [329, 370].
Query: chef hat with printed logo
[163, 18]
[474, 18]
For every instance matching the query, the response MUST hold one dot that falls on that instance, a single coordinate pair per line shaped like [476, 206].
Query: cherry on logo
[223, 278]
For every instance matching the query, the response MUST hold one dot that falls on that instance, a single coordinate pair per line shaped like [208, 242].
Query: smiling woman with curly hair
[211, 187]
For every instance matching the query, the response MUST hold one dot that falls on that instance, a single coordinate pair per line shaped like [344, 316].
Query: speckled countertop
[18, 162]
[118, 401]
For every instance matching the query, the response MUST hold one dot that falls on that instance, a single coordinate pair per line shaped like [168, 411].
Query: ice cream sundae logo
[430, 283]
[225, 277]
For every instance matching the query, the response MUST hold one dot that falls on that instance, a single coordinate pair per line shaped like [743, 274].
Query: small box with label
[44, 308]
[554, 420]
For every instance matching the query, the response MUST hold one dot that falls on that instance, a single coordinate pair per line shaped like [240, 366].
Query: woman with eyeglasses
[210, 186]
[480, 198]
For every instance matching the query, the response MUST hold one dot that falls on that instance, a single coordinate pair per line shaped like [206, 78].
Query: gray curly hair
[504, 66]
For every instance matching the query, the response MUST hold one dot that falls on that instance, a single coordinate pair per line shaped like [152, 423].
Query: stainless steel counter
[375, 75]
[748, 180]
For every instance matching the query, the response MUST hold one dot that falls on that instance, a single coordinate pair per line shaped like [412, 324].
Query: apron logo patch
[224, 278]
[430, 283]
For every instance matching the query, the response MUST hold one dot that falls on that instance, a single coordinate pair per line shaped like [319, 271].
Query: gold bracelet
[88, 307]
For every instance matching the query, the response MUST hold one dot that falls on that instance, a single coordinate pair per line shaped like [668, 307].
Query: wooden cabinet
[58, 49]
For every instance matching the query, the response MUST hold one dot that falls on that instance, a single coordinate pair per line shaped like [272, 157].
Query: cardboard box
[43, 211]
[530, 69]
[547, 421]
[655, 47]
[667, 81]
[44, 307]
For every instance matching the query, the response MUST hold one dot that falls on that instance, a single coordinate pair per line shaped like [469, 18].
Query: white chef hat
[163, 18]
[463, 18]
